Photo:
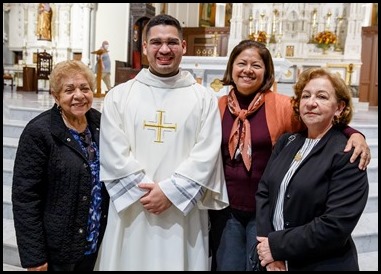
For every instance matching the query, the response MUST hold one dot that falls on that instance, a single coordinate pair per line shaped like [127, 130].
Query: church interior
[341, 36]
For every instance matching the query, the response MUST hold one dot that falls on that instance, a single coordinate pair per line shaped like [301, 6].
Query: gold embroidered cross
[159, 126]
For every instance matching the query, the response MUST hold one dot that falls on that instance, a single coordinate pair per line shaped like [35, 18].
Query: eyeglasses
[86, 141]
[171, 43]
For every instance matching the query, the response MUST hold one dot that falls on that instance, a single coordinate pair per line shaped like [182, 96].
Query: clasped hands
[154, 201]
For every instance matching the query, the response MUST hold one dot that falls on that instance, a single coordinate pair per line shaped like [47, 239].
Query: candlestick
[314, 18]
[250, 25]
[268, 28]
[261, 27]
[215, 53]
[328, 21]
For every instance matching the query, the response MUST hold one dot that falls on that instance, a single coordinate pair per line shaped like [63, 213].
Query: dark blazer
[51, 191]
[322, 205]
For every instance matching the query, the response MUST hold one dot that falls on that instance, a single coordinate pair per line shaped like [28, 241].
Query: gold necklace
[298, 156]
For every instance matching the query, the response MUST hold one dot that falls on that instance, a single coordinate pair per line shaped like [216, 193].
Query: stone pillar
[220, 15]
[6, 9]
[87, 7]
[62, 32]
[236, 25]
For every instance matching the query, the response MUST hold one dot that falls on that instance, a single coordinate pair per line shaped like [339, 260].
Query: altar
[209, 71]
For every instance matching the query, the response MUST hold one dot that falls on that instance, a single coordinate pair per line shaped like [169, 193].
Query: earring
[336, 120]
[59, 108]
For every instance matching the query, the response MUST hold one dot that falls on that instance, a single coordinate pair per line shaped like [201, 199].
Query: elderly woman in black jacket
[59, 203]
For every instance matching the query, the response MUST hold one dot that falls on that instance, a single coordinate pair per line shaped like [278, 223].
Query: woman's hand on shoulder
[357, 141]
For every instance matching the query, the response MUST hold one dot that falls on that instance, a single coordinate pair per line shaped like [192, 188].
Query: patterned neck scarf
[242, 143]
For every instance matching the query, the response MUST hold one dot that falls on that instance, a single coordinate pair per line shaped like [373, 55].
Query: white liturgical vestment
[164, 129]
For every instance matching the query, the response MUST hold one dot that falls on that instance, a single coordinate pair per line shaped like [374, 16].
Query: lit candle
[256, 26]
[280, 27]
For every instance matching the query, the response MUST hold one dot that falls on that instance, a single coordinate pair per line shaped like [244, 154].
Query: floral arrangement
[325, 39]
[259, 37]
[262, 35]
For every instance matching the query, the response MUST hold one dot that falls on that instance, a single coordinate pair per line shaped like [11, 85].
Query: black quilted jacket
[51, 191]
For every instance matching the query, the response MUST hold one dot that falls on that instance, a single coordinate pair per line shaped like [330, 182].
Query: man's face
[164, 50]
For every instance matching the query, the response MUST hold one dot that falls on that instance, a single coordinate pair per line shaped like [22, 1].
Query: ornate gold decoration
[288, 73]
[216, 85]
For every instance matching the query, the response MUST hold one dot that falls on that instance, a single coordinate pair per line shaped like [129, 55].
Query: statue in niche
[207, 14]
[44, 22]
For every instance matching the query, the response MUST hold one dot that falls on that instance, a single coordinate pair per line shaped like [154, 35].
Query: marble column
[220, 15]
[87, 7]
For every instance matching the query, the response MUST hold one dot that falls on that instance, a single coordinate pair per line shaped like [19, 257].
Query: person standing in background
[59, 203]
[44, 22]
[311, 197]
[160, 161]
[106, 65]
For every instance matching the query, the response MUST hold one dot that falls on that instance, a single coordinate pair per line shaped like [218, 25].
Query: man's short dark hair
[163, 19]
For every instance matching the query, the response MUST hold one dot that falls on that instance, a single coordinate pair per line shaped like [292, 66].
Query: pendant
[298, 156]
